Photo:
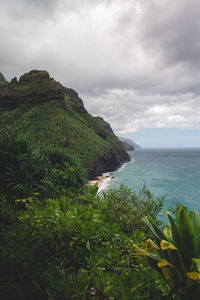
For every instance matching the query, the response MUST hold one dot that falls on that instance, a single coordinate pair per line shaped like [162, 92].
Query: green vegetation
[68, 242]
[55, 115]
[26, 171]
[67, 129]
[61, 239]
[176, 253]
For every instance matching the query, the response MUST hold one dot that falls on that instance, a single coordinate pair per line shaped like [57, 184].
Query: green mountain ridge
[54, 114]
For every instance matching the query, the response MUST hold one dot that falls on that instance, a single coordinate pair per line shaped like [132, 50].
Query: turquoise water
[171, 173]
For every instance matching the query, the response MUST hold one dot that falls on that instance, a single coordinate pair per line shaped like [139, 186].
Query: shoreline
[103, 180]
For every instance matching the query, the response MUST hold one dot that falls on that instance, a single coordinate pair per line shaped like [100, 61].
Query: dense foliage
[68, 242]
[53, 114]
[176, 253]
[27, 170]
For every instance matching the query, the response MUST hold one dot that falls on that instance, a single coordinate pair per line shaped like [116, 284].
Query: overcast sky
[134, 62]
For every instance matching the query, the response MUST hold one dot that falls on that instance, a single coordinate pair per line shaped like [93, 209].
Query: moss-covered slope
[53, 114]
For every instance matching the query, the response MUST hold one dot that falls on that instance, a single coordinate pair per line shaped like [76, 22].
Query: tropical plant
[175, 253]
[27, 168]
[128, 208]
[67, 248]
[22, 170]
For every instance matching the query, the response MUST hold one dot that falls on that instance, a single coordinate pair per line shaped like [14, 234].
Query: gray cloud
[133, 62]
[173, 28]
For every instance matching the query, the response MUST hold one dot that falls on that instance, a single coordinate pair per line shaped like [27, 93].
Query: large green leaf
[170, 273]
[172, 254]
[158, 234]
[174, 230]
[195, 219]
[186, 233]
[168, 233]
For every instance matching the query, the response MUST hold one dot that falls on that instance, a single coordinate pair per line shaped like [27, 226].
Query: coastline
[103, 181]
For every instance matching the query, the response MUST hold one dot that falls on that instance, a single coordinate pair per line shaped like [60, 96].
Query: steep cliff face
[54, 114]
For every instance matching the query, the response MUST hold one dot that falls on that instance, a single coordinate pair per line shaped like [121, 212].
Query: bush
[25, 171]
[67, 248]
[62, 240]
[127, 208]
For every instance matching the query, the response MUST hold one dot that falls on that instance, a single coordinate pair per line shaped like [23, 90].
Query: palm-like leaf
[178, 252]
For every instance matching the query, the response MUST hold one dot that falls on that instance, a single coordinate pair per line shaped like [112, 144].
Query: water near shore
[172, 173]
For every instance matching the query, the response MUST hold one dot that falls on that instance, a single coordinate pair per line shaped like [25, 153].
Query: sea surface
[171, 173]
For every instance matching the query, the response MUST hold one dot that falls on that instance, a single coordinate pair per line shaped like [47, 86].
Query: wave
[105, 183]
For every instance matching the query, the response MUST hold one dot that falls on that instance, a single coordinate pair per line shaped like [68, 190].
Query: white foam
[104, 183]
[129, 162]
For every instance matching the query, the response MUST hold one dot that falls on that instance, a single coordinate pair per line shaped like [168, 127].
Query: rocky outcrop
[109, 163]
[34, 88]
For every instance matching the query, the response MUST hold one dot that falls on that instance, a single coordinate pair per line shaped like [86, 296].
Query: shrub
[25, 171]
[66, 248]
[127, 208]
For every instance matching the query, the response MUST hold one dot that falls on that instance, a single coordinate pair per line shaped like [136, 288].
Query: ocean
[171, 173]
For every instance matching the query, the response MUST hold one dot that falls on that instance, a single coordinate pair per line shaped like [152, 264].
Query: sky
[134, 62]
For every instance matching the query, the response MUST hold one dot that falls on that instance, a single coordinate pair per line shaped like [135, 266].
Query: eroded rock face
[109, 163]
[34, 88]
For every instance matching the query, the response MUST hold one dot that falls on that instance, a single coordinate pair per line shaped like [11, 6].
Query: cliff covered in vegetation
[54, 114]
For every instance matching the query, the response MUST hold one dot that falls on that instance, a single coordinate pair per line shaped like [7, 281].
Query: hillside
[130, 142]
[54, 114]
[127, 146]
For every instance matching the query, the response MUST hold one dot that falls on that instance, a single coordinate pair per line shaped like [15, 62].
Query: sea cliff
[54, 114]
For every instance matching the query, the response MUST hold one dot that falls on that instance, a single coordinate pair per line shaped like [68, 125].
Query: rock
[114, 160]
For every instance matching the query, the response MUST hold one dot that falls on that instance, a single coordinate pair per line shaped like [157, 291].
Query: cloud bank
[134, 62]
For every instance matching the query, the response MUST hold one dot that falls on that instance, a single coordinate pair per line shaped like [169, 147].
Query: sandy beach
[101, 181]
